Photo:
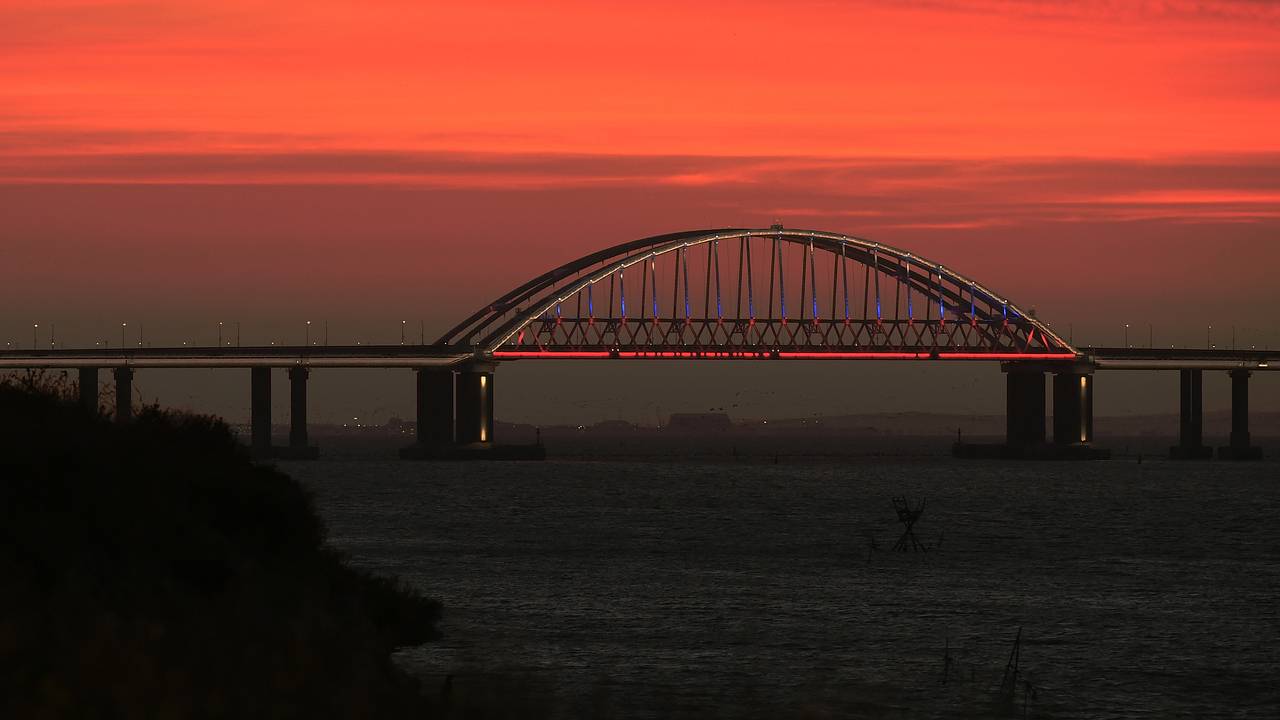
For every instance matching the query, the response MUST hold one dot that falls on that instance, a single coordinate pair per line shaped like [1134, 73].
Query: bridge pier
[124, 393]
[260, 412]
[1240, 447]
[435, 407]
[1024, 408]
[298, 447]
[1072, 408]
[1191, 418]
[87, 389]
[473, 408]
[455, 417]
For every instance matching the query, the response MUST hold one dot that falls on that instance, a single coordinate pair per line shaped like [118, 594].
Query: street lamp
[1126, 335]
[1208, 338]
[308, 337]
[124, 342]
[402, 322]
[219, 333]
[35, 328]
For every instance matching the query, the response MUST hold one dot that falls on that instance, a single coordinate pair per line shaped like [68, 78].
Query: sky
[173, 165]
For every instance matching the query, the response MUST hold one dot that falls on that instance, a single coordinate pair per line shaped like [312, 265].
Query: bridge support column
[1072, 408]
[1191, 418]
[455, 417]
[474, 407]
[435, 407]
[260, 411]
[124, 393]
[87, 389]
[298, 448]
[1024, 409]
[1240, 447]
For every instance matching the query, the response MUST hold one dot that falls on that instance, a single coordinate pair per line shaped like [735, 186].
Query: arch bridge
[733, 293]
[741, 293]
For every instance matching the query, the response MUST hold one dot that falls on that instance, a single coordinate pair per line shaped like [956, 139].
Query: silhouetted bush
[150, 569]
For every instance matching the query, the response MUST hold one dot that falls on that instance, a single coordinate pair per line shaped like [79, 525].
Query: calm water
[1143, 590]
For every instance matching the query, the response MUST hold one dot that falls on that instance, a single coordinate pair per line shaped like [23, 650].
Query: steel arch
[971, 321]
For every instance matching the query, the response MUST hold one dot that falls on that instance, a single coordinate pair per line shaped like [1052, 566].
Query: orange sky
[749, 78]
[247, 157]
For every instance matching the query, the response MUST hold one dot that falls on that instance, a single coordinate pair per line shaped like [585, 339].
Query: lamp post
[35, 342]
[124, 342]
[1208, 338]
[308, 337]
[219, 333]
[1126, 335]
[402, 322]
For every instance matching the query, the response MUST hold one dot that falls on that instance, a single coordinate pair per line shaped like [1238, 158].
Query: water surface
[1143, 590]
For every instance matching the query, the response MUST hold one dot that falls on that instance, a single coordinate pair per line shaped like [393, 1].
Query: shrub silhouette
[152, 569]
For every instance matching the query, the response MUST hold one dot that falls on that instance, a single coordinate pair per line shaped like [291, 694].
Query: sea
[673, 588]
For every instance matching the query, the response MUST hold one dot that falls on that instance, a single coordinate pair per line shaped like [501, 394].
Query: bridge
[766, 294]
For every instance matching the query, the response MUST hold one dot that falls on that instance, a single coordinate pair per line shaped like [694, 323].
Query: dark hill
[151, 569]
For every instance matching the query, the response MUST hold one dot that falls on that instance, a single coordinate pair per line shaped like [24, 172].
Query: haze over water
[1143, 590]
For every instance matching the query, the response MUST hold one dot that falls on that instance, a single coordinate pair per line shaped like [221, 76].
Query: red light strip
[1006, 356]
[544, 354]
[767, 355]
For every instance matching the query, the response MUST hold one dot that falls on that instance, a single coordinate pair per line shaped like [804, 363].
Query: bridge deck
[1112, 358]
[349, 356]
[393, 356]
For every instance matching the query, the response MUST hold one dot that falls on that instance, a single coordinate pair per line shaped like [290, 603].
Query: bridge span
[731, 294]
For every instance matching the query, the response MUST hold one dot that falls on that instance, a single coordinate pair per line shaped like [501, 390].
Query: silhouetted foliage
[152, 569]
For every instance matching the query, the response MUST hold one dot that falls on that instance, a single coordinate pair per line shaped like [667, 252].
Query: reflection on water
[1142, 589]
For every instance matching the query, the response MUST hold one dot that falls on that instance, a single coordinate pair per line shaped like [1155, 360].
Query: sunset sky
[179, 163]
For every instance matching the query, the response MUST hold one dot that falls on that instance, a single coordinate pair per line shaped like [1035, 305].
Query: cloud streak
[941, 193]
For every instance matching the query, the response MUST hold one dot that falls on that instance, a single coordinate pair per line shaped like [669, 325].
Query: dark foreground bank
[152, 570]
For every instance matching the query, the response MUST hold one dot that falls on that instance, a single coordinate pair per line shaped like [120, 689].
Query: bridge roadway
[440, 356]
[455, 389]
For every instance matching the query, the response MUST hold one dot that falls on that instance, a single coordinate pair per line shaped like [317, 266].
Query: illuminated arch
[825, 295]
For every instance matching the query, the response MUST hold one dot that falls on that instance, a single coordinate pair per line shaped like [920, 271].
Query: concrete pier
[1072, 408]
[455, 417]
[1241, 445]
[87, 389]
[298, 448]
[1191, 418]
[473, 416]
[1025, 416]
[435, 389]
[260, 411]
[124, 393]
[1024, 408]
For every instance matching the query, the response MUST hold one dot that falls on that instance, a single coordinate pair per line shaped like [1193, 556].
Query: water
[1143, 590]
